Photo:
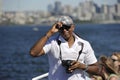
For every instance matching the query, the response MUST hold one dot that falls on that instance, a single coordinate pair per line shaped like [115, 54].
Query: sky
[23, 5]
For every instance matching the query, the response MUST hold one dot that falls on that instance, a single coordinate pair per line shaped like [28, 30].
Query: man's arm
[37, 48]
[93, 68]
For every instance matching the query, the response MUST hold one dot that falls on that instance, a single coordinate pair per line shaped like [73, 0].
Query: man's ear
[72, 27]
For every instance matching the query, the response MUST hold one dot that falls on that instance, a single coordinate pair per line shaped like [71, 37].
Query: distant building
[97, 8]
[105, 9]
[118, 1]
[112, 9]
[50, 8]
[118, 9]
[68, 10]
[58, 8]
[85, 10]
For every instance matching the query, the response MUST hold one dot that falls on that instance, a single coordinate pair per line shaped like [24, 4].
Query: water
[16, 41]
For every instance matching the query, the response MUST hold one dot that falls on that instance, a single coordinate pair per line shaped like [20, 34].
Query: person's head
[116, 59]
[107, 67]
[108, 64]
[67, 28]
[114, 78]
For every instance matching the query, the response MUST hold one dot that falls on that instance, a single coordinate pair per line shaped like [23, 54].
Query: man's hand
[55, 28]
[76, 65]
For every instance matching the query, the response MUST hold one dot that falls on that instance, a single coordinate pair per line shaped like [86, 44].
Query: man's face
[66, 31]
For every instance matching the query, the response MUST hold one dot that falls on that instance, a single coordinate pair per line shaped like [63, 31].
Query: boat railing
[41, 76]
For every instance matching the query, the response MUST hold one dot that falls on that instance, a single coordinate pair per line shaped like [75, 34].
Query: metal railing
[41, 76]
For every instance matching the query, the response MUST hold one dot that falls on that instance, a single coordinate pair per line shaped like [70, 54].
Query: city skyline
[36, 5]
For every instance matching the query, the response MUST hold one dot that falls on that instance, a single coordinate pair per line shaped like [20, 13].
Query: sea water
[16, 41]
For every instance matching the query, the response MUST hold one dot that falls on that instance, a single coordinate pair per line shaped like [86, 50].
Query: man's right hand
[54, 29]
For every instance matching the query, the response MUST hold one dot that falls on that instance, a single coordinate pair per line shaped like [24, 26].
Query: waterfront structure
[84, 11]
[118, 9]
[57, 8]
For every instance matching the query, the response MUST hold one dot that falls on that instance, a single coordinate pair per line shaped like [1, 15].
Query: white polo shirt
[56, 70]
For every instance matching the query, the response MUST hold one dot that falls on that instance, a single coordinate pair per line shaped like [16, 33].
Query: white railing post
[41, 76]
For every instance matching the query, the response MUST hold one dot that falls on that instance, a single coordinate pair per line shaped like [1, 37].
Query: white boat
[35, 29]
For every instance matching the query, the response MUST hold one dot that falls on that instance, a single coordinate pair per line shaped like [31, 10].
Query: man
[69, 55]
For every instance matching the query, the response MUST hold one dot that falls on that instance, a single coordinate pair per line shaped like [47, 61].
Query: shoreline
[76, 23]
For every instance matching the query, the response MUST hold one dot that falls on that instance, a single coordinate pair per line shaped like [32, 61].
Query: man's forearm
[38, 47]
[93, 69]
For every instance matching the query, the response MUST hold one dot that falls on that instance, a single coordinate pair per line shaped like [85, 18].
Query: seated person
[116, 61]
[109, 67]
[107, 70]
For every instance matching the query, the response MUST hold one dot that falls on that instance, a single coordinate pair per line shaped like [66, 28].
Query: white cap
[66, 20]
